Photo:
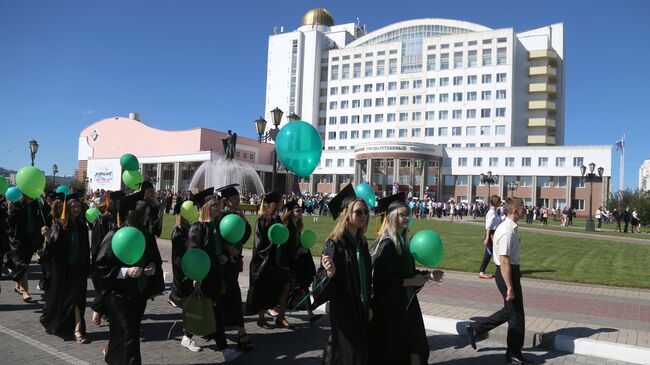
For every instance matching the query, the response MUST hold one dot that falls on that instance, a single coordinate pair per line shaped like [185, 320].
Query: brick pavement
[460, 297]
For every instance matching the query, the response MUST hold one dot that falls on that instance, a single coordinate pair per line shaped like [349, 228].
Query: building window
[443, 98]
[499, 130]
[345, 90]
[390, 117]
[578, 204]
[428, 132]
[415, 132]
[392, 100]
[458, 59]
[345, 73]
[471, 113]
[365, 134]
[415, 116]
[417, 84]
[443, 81]
[461, 181]
[367, 88]
[578, 161]
[560, 161]
[443, 114]
[431, 98]
[379, 102]
[559, 181]
[456, 114]
[486, 79]
[501, 56]
[494, 162]
[542, 162]
[429, 115]
[471, 58]
[577, 182]
[354, 135]
[367, 103]
[525, 181]
[471, 80]
[478, 161]
[367, 118]
[379, 133]
[470, 131]
[403, 132]
[457, 80]
[343, 135]
[334, 90]
[331, 135]
[510, 161]
[458, 96]
[351, 163]
[431, 62]
[356, 89]
[328, 162]
[333, 105]
[392, 66]
[404, 85]
[442, 131]
[332, 121]
[380, 67]
[500, 112]
[334, 75]
[403, 100]
[417, 99]
[456, 131]
[431, 82]
[379, 118]
[462, 161]
[356, 70]
[471, 96]
[525, 162]
[368, 72]
[343, 120]
[379, 86]
[500, 144]
[444, 61]
[487, 57]
[390, 133]
[486, 95]
[485, 113]
[501, 94]
[355, 119]
[403, 117]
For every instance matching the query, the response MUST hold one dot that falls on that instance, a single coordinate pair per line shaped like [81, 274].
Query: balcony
[542, 54]
[541, 105]
[541, 122]
[542, 87]
[548, 71]
[541, 140]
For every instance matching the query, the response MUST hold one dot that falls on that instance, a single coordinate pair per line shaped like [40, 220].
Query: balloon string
[310, 293]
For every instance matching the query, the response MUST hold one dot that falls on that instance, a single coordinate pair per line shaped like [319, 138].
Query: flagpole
[621, 187]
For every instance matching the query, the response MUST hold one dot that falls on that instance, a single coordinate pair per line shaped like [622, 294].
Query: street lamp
[293, 117]
[489, 179]
[590, 178]
[55, 170]
[33, 148]
[512, 186]
[266, 136]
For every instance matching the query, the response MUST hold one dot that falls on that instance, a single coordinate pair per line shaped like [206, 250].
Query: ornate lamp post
[512, 186]
[489, 180]
[55, 170]
[269, 136]
[590, 177]
[33, 148]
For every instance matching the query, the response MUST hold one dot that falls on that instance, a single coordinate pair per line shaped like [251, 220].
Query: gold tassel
[118, 220]
[65, 199]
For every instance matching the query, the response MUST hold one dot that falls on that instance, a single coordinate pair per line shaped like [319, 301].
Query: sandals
[96, 318]
[282, 322]
[244, 342]
[80, 338]
[264, 324]
[26, 297]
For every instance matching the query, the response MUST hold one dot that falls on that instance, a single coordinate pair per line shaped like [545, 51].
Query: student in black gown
[344, 279]
[269, 272]
[4, 237]
[69, 265]
[231, 298]
[301, 263]
[126, 288]
[203, 235]
[397, 334]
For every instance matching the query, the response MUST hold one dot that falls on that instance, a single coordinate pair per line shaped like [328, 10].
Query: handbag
[198, 314]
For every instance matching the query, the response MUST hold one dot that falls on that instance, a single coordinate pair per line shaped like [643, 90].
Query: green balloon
[299, 147]
[13, 194]
[189, 211]
[232, 228]
[92, 214]
[30, 181]
[129, 162]
[278, 234]
[427, 248]
[132, 179]
[128, 245]
[4, 185]
[196, 264]
[308, 239]
[63, 189]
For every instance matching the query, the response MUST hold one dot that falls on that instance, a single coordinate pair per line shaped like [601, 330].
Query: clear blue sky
[184, 64]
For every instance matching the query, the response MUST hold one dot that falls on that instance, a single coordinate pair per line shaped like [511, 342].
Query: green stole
[363, 293]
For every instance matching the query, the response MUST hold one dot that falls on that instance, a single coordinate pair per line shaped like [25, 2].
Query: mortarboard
[341, 200]
[146, 185]
[291, 205]
[128, 203]
[227, 191]
[177, 206]
[272, 197]
[201, 198]
[390, 203]
[117, 195]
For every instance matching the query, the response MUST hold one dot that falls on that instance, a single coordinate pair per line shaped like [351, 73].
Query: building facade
[644, 175]
[427, 105]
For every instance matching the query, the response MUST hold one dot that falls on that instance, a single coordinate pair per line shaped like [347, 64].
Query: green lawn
[544, 256]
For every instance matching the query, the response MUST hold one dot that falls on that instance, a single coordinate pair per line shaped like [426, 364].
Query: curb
[563, 343]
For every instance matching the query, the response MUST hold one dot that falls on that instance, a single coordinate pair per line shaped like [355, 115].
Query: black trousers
[512, 312]
[487, 256]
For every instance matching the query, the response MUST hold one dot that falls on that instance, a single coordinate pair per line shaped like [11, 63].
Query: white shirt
[506, 242]
[492, 220]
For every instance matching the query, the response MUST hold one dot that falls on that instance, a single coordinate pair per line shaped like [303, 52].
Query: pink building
[167, 158]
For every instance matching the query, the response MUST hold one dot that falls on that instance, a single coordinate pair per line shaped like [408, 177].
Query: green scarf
[363, 292]
[217, 243]
[407, 267]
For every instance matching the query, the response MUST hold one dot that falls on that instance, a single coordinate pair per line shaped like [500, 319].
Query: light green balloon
[30, 181]
[4, 185]
[92, 214]
[278, 234]
[232, 228]
[132, 179]
[189, 211]
[128, 245]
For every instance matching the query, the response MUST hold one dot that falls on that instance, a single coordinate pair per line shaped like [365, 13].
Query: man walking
[492, 221]
[506, 257]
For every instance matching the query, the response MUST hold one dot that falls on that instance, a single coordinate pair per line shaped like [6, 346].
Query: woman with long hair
[397, 334]
[269, 274]
[202, 235]
[69, 266]
[344, 279]
[126, 288]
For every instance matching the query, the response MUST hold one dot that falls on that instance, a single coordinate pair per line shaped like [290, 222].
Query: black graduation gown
[25, 236]
[395, 330]
[348, 343]
[67, 272]
[269, 272]
[301, 265]
[4, 235]
[104, 224]
[231, 298]
[125, 303]
[182, 285]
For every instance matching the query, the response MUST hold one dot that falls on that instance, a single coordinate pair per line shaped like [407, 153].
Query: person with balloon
[127, 265]
[269, 275]
[234, 230]
[202, 235]
[69, 265]
[344, 279]
[397, 334]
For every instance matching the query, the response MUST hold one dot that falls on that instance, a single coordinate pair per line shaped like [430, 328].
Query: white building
[460, 88]
[644, 175]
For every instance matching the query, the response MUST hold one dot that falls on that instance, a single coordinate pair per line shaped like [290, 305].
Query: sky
[202, 63]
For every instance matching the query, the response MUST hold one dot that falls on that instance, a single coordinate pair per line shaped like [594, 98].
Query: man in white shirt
[492, 221]
[506, 257]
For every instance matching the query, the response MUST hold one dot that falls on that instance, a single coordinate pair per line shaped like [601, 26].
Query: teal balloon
[278, 234]
[365, 192]
[30, 181]
[189, 211]
[4, 185]
[232, 228]
[132, 179]
[308, 239]
[13, 194]
[299, 147]
[427, 248]
[129, 162]
[92, 214]
[128, 245]
[63, 189]
[196, 264]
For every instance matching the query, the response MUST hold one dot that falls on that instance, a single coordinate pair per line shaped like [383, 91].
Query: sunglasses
[361, 212]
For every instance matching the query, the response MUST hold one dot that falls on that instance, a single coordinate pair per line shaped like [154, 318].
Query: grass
[543, 256]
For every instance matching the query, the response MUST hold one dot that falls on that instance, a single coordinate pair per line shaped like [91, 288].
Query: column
[177, 176]
[569, 184]
[395, 172]
[502, 180]
[158, 175]
[469, 188]
[312, 185]
[423, 178]
[369, 171]
[335, 184]
[534, 190]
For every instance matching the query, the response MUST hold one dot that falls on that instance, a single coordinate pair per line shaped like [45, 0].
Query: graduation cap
[341, 200]
[56, 196]
[227, 191]
[272, 197]
[292, 204]
[129, 202]
[391, 203]
[117, 195]
[202, 197]
[146, 185]
[177, 206]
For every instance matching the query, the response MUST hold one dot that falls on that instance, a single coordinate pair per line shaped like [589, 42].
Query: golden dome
[318, 16]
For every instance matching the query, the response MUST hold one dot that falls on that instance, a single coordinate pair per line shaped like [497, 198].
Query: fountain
[224, 170]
